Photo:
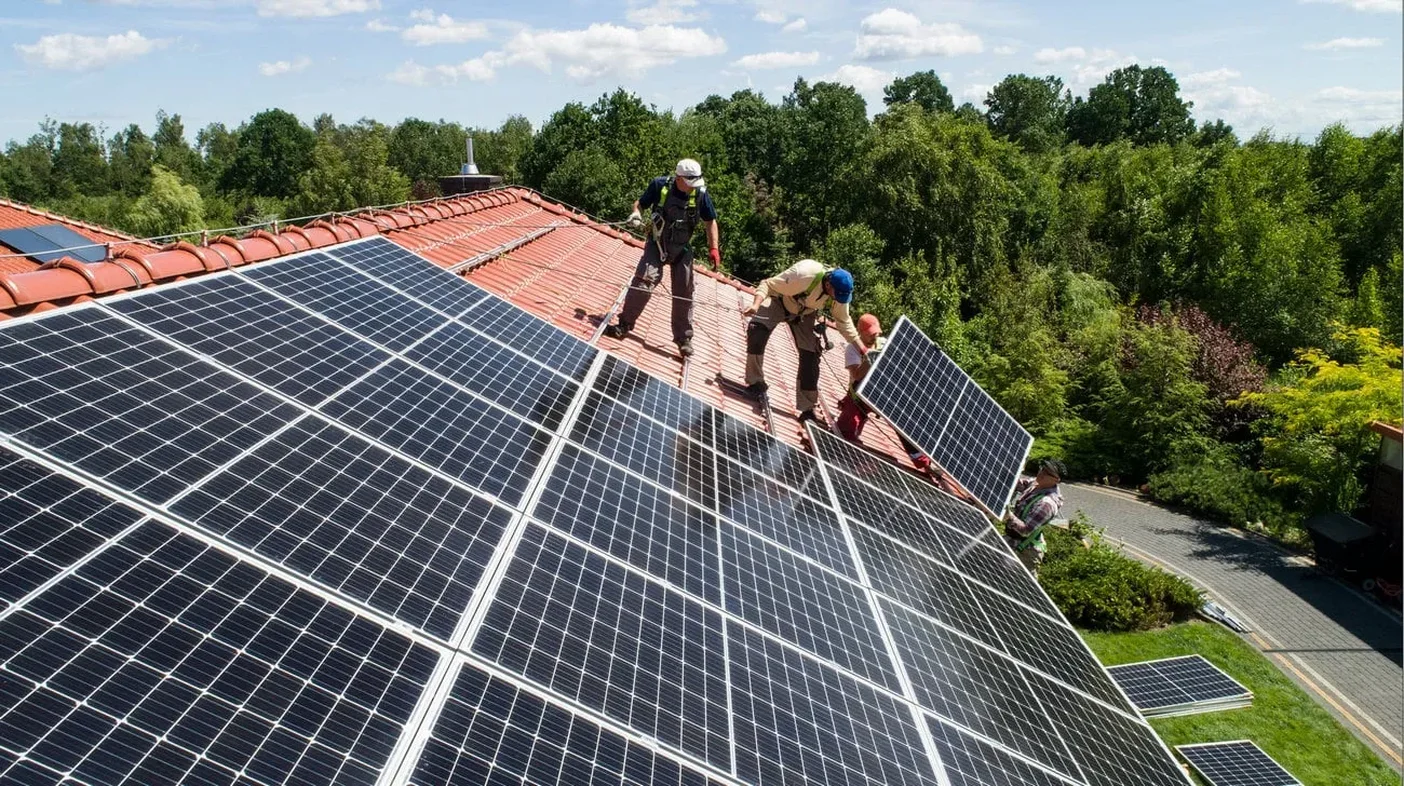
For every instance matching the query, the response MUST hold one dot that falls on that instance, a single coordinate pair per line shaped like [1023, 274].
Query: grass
[1284, 721]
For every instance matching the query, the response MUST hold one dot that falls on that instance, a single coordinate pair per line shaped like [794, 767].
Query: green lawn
[1284, 720]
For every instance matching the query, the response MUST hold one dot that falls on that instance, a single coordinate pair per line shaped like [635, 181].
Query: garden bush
[1210, 479]
[1099, 588]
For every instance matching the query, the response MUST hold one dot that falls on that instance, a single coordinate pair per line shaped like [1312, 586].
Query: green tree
[371, 180]
[1159, 406]
[1135, 103]
[80, 162]
[218, 147]
[169, 207]
[172, 150]
[754, 130]
[326, 185]
[131, 155]
[828, 125]
[500, 152]
[275, 149]
[1317, 439]
[31, 166]
[923, 88]
[1029, 111]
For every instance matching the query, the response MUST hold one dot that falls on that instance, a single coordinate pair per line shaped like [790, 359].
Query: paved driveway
[1341, 646]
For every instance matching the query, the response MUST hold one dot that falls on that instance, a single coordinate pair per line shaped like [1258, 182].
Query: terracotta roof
[546, 258]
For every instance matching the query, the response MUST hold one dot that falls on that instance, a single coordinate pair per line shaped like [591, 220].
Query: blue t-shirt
[705, 210]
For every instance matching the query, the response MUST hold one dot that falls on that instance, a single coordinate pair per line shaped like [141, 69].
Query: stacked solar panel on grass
[1237, 763]
[344, 518]
[1179, 686]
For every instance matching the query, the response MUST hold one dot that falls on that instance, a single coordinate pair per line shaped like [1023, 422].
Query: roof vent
[468, 179]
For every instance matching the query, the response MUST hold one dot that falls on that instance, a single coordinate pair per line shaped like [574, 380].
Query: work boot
[809, 415]
[685, 348]
[616, 331]
[757, 390]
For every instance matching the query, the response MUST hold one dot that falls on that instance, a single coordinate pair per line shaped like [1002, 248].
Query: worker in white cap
[678, 202]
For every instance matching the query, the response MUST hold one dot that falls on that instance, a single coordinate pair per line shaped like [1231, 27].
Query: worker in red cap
[853, 413]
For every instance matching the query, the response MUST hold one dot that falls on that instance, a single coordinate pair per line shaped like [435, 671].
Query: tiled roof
[14, 215]
[546, 258]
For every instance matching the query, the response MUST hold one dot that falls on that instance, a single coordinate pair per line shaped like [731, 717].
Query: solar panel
[163, 660]
[348, 514]
[604, 636]
[1179, 686]
[491, 731]
[256, 333]
[47, 523]
[471, 550]
[124, 406]
[348, 298]
[411, 274]
[926, 396]
[1237, 763]
[51, 242]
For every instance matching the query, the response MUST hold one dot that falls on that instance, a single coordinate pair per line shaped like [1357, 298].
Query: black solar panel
[257, 334]
[928, 398]
[426, 282]
[348, 514]
[47, 523]
[161, 660]
[348, 298]
[445, 427]
[118, 403]
[1237, 763]
[53, 241]
[496, 373]
[542, 342]
[671, 597]
[1177, 685]
[493, 732]
[640, 653]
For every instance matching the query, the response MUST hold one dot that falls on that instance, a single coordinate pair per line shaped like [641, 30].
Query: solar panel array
[1179, 686]
[50, 242]
[936, 405]
[345, 518]
[1237, 763]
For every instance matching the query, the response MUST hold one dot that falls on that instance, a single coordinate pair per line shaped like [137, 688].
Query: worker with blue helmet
[798, 297]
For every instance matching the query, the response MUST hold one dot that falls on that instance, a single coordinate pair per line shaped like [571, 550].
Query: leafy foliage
[923, 88]
[1099, 588]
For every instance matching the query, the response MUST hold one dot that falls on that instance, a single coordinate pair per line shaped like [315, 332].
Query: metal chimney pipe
[470, 168]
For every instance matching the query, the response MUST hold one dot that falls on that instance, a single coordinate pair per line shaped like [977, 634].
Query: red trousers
[852, 416]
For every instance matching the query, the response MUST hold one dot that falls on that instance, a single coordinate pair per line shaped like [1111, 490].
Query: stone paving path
[1342, 647]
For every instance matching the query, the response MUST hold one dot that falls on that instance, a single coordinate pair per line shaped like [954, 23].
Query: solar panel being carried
[324, 547]
[1237, 763]
[927, 397]
[1179, 686]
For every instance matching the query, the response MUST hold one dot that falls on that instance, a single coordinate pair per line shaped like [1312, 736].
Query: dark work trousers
[771, 315]
[647, 276]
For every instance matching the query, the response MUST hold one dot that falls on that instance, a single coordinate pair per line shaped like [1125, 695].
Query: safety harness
[664, 233]
[1022, 511]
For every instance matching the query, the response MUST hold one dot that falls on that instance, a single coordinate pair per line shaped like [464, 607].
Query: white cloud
[422, 15]
[280, 67]
[865, 79]
[795, 26]
[443, 29]
[70, 52]
[1068, 55]
[1336, 44]
[598, 51]
[897, 35]
[1351, 95]
[309, 8]
[766, 60]
[976, 93]
[1218, 76]
[381, 26]
[665, 12]
[1005, 50]
[1081, 66]
[1377, 6]
[770, 17]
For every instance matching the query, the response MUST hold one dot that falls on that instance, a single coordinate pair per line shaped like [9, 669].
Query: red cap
[869, 324]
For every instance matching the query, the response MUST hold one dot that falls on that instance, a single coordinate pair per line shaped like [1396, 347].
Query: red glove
[715, 255]
[862, 349]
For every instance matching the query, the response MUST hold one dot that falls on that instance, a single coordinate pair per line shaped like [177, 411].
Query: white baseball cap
[691, 171]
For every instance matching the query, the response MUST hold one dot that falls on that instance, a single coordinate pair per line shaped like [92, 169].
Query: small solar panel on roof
[49, 242]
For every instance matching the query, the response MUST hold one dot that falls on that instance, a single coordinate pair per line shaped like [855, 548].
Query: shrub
[1099, 588]
[1210, 479]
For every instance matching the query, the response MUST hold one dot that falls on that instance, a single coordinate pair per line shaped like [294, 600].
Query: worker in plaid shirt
[1037, 503]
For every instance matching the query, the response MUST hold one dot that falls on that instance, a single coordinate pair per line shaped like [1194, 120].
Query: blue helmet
[842, 282]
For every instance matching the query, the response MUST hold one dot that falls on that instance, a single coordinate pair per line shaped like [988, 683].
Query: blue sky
[1291, 65]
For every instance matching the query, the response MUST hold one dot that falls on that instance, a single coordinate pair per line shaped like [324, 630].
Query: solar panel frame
[541, 341]
[656, 399]
[913, 375]
[43, 246]
[663, 455]
[794, 519]
[1236, 763]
